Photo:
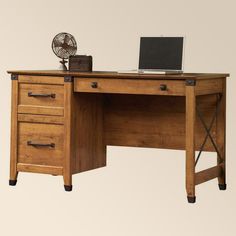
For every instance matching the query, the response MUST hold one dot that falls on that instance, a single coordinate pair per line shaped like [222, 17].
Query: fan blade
[57, 43]
[62, 53]
[70, 49]
[66, 39]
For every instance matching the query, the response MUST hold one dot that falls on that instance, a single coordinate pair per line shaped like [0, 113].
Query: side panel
[88, 133]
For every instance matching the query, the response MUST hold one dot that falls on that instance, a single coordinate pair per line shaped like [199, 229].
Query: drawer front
[41, 99]
[33, 79]
[40, 144]
[130, 86]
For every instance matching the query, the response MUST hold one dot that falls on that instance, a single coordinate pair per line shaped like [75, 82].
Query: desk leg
[190, 142]
[14, 128]
[220, 136]
[68, 103]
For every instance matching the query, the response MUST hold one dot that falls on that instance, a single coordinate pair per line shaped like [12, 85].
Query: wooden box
[81, 63]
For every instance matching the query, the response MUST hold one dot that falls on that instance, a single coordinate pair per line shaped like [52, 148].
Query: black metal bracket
[190, 82]
[208, 129]
[14, 77]
[68, 79]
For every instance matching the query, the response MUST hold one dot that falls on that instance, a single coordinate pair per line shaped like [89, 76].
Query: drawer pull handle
[52, 95]
[94, 84]
[163, 87]
[51, 145]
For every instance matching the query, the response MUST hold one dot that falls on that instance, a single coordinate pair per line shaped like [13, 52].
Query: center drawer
[40, 144]
[41, 99]
[130, 86]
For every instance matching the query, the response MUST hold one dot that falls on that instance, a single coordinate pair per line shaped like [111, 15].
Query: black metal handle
[51, 145]
[94, 84]
[51, 95]
[163, 87]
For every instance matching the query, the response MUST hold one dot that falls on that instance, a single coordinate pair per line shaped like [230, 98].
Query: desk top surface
[116, 75]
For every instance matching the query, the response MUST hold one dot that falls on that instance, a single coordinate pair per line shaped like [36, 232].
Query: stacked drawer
[40, 119]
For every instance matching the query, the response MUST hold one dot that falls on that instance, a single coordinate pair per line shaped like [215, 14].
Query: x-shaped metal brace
[208, 129]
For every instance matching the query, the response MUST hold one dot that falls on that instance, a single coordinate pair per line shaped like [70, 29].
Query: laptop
[160, 55]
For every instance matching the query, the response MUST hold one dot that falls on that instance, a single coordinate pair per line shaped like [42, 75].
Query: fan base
[63, 64]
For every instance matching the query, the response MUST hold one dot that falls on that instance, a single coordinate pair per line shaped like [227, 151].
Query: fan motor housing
[81, 63]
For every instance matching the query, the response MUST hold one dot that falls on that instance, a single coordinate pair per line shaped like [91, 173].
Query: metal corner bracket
[190, 82]
[14, 77]
[68, 79]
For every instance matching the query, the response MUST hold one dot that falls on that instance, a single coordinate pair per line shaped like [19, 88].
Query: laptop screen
[161, 53]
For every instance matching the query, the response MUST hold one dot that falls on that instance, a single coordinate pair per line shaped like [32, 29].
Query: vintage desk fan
[64, 45]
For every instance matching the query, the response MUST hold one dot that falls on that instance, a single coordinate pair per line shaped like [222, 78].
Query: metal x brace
[208, 130]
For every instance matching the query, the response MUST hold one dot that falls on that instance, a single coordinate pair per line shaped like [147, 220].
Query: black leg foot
[191, 199]
[68, 188]
[12, 182]
[222, 186]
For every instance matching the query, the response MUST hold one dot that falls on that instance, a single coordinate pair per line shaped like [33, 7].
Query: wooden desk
[63, 121]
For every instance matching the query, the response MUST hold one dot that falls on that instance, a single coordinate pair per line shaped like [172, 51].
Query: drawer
[130, 86]
[35, 79]
[41, 99]
[40, 144]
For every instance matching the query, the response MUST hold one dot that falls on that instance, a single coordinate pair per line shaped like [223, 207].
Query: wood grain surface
[126, 86]
[51, 74]
[42, 134]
